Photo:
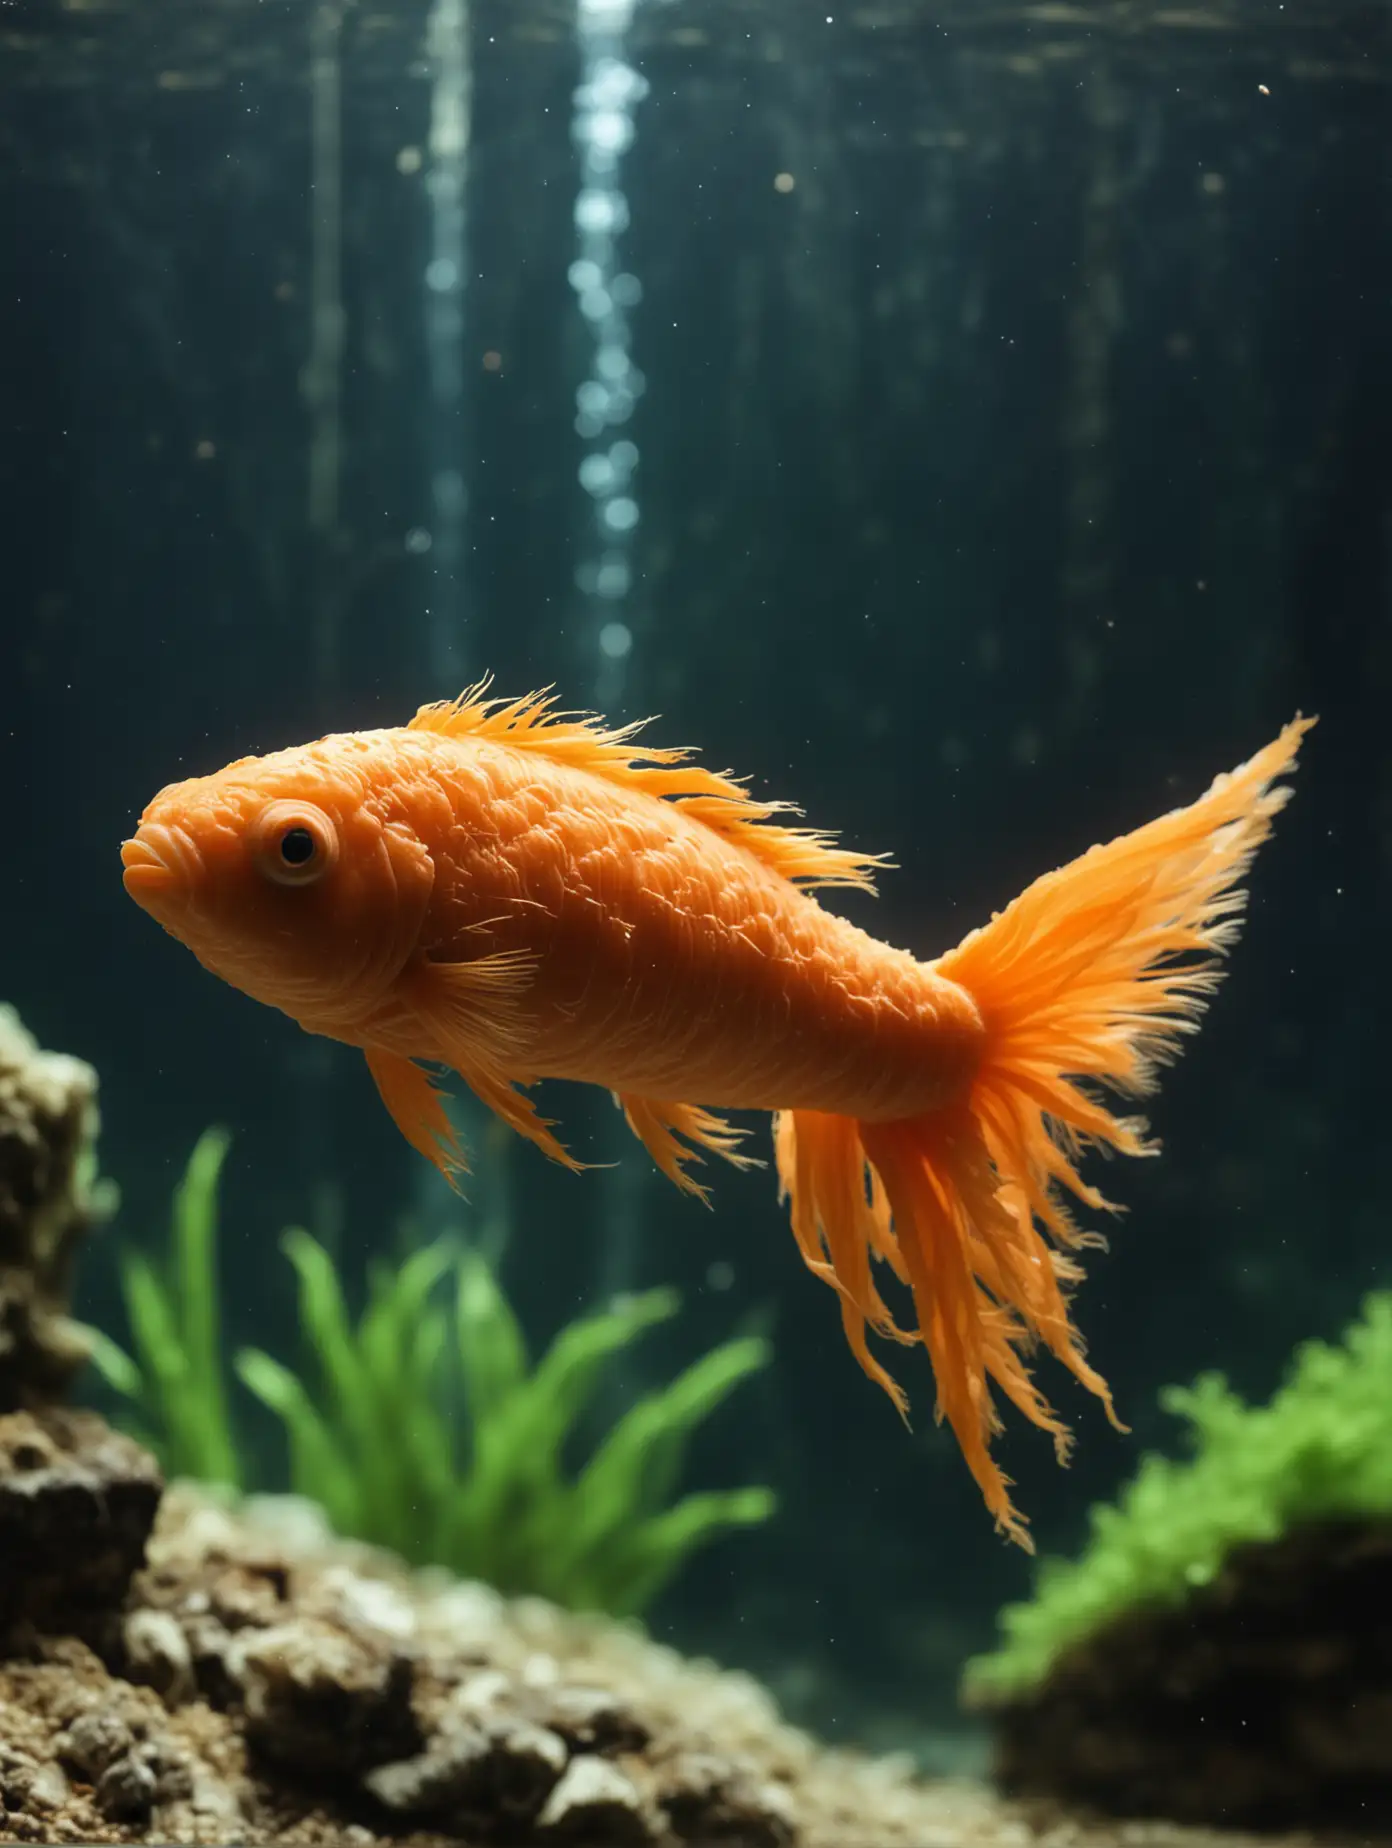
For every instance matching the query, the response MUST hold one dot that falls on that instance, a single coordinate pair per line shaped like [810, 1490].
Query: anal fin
[519, 1112]
[658, 1126]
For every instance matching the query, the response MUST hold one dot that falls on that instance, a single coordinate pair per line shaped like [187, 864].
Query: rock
[30, 1787]
[49, 1199]
[502, 1769]
[157, 1654]
[592, 1720]
[357, 1602]
[435, 1780]
[210, 1646]
[94, 1742]
[213, 1801]
[206, 1810]
[126, 1789]
[595, 1802]
[480, 1693]
[77, 1503]
[130, 1768]
[243, 1597]
[709, 1800]
[48, 1789]
[325, 1699]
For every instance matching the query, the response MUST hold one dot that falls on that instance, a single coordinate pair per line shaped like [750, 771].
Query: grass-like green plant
[177, 1381]
[1320, 1449]
[426, 1428]
[377, 1449]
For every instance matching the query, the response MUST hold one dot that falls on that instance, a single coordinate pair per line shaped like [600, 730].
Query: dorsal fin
[805, 856]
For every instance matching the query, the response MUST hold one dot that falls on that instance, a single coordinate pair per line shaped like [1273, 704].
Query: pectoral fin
[417, 1109]
[472, 1015]
[473, 1008]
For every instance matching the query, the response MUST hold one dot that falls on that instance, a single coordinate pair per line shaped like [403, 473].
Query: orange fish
[520, 894]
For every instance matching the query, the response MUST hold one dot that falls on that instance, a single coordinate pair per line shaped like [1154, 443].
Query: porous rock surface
[49, 1198]
[264, 1683]
[77, 1503]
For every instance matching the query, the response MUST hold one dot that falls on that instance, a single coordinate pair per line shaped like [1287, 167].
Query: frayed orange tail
[1085, 983]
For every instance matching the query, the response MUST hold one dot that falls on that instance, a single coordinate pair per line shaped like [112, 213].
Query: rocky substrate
[1266, 1699]
[261, 1682]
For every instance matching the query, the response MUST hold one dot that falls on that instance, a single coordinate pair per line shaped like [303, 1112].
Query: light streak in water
[608, 94]
[446, 185]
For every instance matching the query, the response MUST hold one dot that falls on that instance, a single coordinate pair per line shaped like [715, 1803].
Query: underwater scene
[693, 1017]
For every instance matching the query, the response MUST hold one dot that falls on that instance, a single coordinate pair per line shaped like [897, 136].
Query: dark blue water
[1010, 458]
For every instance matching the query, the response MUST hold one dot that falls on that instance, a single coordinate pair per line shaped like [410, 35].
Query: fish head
[287, 878]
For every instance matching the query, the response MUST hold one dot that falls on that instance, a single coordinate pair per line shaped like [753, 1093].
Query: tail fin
[1086, 983]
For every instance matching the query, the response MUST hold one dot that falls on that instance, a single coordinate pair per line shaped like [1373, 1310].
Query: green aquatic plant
[426, 1428]
[1320, 1449]
[376, 1446]
[177, 1380]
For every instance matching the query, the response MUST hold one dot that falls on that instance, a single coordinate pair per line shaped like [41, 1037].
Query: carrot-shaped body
[519, 895]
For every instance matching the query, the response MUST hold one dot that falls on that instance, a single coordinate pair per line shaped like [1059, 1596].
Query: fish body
[518, 895]
[670, 961]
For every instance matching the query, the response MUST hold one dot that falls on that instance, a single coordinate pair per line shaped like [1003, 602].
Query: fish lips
[152, 866]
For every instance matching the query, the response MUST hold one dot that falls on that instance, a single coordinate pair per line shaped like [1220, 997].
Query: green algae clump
[1319, 1450]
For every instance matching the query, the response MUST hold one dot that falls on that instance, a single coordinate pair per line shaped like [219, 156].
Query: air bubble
[596, 475]
[612, 580]
[621, 514]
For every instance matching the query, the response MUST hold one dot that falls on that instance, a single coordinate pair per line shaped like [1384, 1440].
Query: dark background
[1022, 467]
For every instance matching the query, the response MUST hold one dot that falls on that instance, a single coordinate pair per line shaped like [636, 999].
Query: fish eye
[297, 847]
[295, 843]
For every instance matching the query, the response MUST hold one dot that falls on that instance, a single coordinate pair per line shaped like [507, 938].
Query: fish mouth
[150, 864]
